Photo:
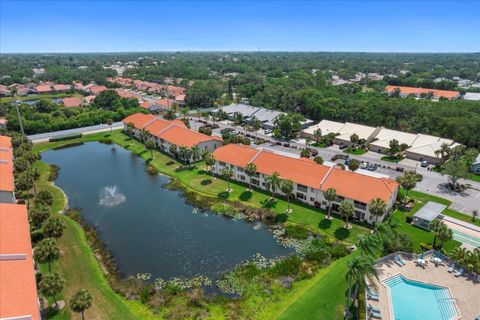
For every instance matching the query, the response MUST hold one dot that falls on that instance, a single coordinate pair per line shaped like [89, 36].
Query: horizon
[232, 26]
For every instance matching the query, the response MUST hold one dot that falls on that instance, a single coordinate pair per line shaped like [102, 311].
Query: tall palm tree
[369, 244]
[287, 188]
[408, 181]
[250, 170]
[347, 209]
[206, 154]
[227, 174]
[435, 225]
[359, 269]
[330, 195]
[51, 284]
[54, 228]
[210, 161]
[172, 149]
[318, 135]
[444, 234]
[195, 153]
[46, 251]
[377, 208]
[144, 134]
[110, 123]
[81, 301]
[273, 182]
[182, 153]
[150, 145]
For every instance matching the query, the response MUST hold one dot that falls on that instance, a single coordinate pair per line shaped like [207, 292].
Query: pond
[33, 102]
[149, 228]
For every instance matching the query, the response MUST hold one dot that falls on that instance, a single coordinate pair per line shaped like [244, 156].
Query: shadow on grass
[269, 203]
[281, 217]
[342, 233]
[206, 182]
[142, 152]
[223, 195]
[148, 160]
[170, 163]
[127, 139]
[325, 224]
[245, 196]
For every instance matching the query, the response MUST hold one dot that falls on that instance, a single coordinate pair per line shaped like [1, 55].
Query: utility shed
[429, 212]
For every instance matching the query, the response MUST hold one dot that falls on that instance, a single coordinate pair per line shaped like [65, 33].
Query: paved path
[43, 137]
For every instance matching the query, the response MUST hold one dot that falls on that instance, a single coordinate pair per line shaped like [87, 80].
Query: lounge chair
[399, 261]
[458, 273]
[373, 308]
[451, 267]
[373, 297]
[375, 315]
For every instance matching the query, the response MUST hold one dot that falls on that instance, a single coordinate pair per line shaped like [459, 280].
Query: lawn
[324, 299]
[355, 151]
[40, 97]
[390, 159]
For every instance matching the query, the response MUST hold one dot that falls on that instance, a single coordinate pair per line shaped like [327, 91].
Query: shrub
[105, 141]
[152, 170]
[66, 137]
[281, 218]
[224, 209]
[338, 251]
[425, 246]
[296, 231]
[287, 266]
[37, 235]
[408, 219]
[53, 174]
[44, 197]
[205, 130]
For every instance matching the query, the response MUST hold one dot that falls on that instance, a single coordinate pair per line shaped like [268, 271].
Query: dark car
[226, 130]
[372, 167]
[313, 152]
[340, 156]
[342, 146]
[215, 126]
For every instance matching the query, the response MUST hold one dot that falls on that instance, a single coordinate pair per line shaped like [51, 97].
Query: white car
[364, 165]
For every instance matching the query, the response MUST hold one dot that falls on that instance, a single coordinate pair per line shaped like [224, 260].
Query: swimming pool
[416, 300]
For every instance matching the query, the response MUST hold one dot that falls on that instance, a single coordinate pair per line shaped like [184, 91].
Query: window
[301, 196]
[312, 199]
[340, 199]
[302, 188]
[360, 205]
[239, 169]
[255, 182]
[222, 163]
[242, 177]
[324, 203]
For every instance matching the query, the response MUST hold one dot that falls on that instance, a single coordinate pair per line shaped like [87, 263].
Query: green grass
[324, 299]
[470, 176]
[355, 151]
[40, 97]
[461, 216]
[424, 197]
[390, 159]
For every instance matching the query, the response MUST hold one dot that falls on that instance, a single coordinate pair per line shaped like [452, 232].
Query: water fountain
[110, 196]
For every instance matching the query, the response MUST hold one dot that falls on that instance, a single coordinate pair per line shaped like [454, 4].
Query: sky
[120, 26]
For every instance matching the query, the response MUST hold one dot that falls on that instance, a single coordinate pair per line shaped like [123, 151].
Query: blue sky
[112, 26]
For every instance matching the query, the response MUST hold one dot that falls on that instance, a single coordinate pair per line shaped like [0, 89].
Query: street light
[19, 118]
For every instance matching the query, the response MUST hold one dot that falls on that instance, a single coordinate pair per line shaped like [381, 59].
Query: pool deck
[463, 290]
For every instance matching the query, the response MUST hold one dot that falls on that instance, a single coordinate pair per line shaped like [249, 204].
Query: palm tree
[144, 134]
[51, 284]
[250, 170]
[46, 251]
[408, 181]
[347, 210]
[150, 145]
[54, 228]
[172, 149]
[39, 214]
[330, 195]
[358, 269]
[81, 301]
[227, 173]
[353, 165]
[435, 226]
[182, 153]
[377, 208]
[237, 119]
[24, 182]
[474, 215]
[318, 135]
[273, 182]
[206, 154]
[368, 244]
[444, 152]
[110, 123]
[129, 129]
[256, 124]
[444, 234]
[195, 153]
[210, 161]
[287, 188]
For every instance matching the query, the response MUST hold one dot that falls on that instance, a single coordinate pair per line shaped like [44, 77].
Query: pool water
[415, 300]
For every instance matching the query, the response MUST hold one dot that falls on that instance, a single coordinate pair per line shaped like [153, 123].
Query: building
[429, 212]
[476, 164]
[425, 146]
[3, 123]
[326, 127]
[18, 289]
[4, 91]
[244, 109]
[166, 133]
[45, 88]
[72, 102]
[94, 89]
[363, 132]
[472, 96]
[309, 178]
[7, 185]
[381, 142]
[164, 104]
[420, 92]
[61, 88]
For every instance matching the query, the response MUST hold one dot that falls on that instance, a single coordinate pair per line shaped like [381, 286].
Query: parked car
[215, 126]
[340, 156]
[267, 131]
[372, 167]
[313, 152]
[364, 165]
[342, 146]
[400, 169]
[424, 164]
[226, 130]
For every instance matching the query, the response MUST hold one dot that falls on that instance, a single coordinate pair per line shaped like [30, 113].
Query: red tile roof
[72, 102]
[165, 103]
[139, 120]
[5, 142]
[236, 154]
[418, 91]
[43, 88]
[97, 89]
[145, 104]
[61, 87]
[18, 290]
[6, 177]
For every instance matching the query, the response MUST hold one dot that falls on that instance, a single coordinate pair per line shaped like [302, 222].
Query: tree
[347, 210]
[353, 165]
[474, 215]
[237, 119]
[394, 147]
[318, 160]
[44, 197]
[359, 269]
[377, 208]
[129, 129]
[39, 214]
[305, 153]
[202, 93]
[435, 227]
[288, 125]
[227, 174]
[195, 153]
[273, 182]
[444, 234]
[287, 188]
[107, 100]
[81, 301]
[110, 123]
[46, 251]
[455, 170]
[206, 154]
[54, 228]
[144, 134]
[330, 195]
[444, 152]
[354, 139]
[369, 244]
[24, 182]
[318, 135]
[210, 161]
[408, 181]
[150, 145]
[51, 284]
[20, 165]
[250, 171]
[256, 124]
[172, 149]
